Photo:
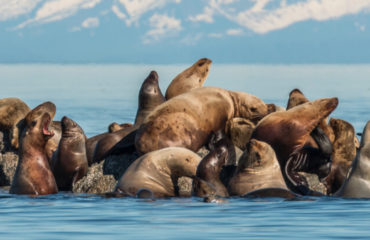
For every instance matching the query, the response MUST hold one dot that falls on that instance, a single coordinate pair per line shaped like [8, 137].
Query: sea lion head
[37, 122]
[296, 97]
[258, 155]
[202, 67]
[70, 127]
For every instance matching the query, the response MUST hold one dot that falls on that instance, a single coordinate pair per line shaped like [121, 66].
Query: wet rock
[239, 130]
[314, 182]
[8, 165]
[102, 177]
[185, 186]
[202, 152]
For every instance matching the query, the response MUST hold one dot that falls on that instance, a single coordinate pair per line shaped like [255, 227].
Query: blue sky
[181, 31]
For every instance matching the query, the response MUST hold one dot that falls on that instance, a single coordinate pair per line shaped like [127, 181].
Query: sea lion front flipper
[323, 141]
[297, 182]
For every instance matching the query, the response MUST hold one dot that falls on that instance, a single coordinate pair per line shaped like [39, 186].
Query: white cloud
[234, 32]
[118, 12]
[162, 26]
[136, 8]
[10, 9]
[206, 16]
[90, 23]
[59, 9]
[262, 20]
[360, 27]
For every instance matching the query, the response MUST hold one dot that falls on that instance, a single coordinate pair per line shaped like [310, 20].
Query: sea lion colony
[278, 146]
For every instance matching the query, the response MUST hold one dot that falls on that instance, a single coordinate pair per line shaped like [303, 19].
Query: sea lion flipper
[293, 165]
[322, 141]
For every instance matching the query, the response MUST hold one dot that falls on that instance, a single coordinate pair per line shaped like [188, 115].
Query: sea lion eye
[33, 123]
[201, 64]
[253, 109]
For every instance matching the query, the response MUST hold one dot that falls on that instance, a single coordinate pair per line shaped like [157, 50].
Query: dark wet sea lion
[150, 96]
[192, 77]
[296, 97]
[188, 119]
[33, 175]
[258, 168]
[287, 133]
[157, 171]
[12, 112]
[272, 193]
[114, 127]
[344, 152]
[357, 183]
[70, 161]
[207, 181]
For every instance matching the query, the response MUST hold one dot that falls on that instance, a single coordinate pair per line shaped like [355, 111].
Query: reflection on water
[96, 95]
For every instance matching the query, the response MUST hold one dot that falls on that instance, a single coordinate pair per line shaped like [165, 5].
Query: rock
[185, 186]
[95, 181]
[202, 152]
[102, 177]
[8, 165]
[239, 130]
[314, 182]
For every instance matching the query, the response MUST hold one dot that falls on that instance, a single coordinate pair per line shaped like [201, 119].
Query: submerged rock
[314, 182]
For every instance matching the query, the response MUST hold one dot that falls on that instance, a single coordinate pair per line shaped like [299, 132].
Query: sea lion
[357, 183]
[53, 142]
[258, 168]
[114, 127]
[272, 193]
[33, 175]
[188, 119]
[344, 152]
[150, 96]
[239, 130]
[287, 133]
[296, 97]
[12, 112]
[91, 145]
[70, 161]
[192, 77]
[207, 181]
[157, 171]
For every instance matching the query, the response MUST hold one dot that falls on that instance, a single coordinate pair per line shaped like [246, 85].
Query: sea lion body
[70, 161]
[12, 112]
[114, 127]
[190, 78]
[287, 133]
[33, 175]
[157, 171]
[188, 119]
[357, 183]
[344, 152]
[258, 168]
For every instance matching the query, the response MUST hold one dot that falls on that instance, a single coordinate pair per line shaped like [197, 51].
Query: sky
[182, 31]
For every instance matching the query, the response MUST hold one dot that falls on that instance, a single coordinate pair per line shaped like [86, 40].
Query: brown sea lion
[33, 175]
[192, 77]
[287, 133]
[12, 112]
[239, 130]
[188, 119]
[157, 171]
[258, 168]
[150, 96]
[70, 161]
[207, 181]
[272, 193]
[296, 97]
[344, 152]
[114, 127]
[357, 183]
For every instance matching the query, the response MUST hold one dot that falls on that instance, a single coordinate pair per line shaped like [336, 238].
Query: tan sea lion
[296, 97]
[192, 77]
[287, 133]
[258, 168]
[12, 112]
[150, 96]
[157, 171]
[33, 175]
[70, 161]
[188, 119]
[357, 183]
[344, 152]
[114, 127]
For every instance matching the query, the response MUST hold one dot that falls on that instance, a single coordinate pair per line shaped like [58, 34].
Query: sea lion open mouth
[45, 128]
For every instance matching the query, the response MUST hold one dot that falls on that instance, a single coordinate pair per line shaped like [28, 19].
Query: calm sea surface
[97, 95]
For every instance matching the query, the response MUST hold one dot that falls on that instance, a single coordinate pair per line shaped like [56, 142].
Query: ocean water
[97, 95]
